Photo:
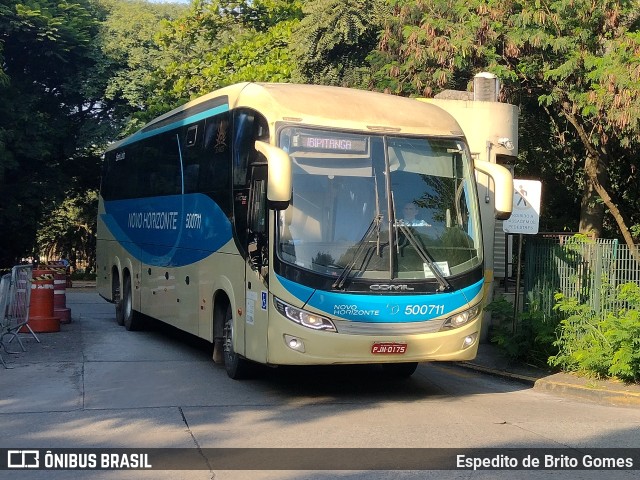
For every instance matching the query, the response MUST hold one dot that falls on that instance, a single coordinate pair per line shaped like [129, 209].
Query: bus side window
[120, 178]
[258, 234]
[249, 126]
[215, 155]
[190, 141]
[124, 177]
[191, 174]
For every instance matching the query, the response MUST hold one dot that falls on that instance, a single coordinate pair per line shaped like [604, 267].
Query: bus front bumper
[292, 344]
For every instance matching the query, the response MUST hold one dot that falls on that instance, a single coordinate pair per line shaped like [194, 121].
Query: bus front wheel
[236, 366]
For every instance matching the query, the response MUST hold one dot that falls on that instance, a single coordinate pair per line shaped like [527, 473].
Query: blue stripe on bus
[136, 137]
[376, 308]
[170, 231]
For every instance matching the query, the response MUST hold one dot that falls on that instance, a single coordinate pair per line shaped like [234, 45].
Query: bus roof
[321, 105]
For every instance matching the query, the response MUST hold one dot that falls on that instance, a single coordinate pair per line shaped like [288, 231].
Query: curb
[78, 284]
[530, 380]
[601, 391]
[605, 392]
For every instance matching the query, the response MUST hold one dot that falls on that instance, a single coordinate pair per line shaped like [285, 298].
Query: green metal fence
[587, 269]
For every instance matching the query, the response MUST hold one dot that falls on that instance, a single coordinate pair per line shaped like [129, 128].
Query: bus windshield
[379, 207]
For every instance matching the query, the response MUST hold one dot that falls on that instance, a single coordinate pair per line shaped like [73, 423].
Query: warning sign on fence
[525, 218]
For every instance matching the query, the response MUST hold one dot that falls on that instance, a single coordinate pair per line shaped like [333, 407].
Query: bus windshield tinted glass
[355, 195]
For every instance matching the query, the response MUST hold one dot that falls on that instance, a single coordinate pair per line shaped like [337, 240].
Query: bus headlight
[461, 318]
[304, 318]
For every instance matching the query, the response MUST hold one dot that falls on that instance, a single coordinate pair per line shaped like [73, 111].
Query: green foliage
[78, 73]
[68, 230]
[51, 120]
[332, 41]
[128, 59]
[218, 43]
[130, 52]
[571, 64]
[532, 341]
[83, 274]
[603, 346]
[432, 45]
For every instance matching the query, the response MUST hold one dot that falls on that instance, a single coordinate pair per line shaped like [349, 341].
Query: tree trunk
[615, 212]
[592, 209]
[594, 168]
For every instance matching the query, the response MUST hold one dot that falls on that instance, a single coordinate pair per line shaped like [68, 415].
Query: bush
[81, 274]
[532, 341]
[603, 345]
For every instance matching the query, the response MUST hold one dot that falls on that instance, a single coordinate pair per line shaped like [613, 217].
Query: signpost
[524, 220]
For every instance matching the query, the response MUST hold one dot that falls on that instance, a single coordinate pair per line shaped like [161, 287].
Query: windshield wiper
[424, 255]
[375, 224]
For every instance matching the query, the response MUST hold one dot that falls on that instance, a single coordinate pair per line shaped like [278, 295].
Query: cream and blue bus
[299, 225]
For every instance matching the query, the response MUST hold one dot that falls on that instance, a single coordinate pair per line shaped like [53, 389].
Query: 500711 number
[193, 220]
[425, 309]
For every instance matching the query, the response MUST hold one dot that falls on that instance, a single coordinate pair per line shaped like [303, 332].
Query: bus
[300, 225]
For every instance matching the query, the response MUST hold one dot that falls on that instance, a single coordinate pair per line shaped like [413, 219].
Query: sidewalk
[608, 392]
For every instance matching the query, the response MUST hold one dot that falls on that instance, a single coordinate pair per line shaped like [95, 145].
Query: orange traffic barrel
[60, 309]
[41, 316]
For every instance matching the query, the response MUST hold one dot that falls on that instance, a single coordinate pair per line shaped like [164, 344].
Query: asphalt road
[95, 385]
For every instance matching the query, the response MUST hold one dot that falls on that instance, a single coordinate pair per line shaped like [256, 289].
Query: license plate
[382, 348]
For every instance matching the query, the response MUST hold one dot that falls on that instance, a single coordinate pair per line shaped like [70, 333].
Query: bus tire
[131, 319]
[120, 312]
[399, 370]
[237, 367]
[117, 293]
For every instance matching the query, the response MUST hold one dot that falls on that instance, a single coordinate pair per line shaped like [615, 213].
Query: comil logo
[23, 459]
[379, 287]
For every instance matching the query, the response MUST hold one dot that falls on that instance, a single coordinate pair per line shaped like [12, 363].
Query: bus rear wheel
[120, 312]
[120, 302]
[399, 370]
[130, 318]
[236, 366]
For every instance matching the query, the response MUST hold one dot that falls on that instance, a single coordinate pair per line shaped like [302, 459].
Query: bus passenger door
[257, 267]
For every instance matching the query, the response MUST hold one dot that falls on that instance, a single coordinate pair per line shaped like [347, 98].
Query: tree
[47, 54]
[333, 40]
[221, 42]
[68, 230]
[130, 56]
[578, 58]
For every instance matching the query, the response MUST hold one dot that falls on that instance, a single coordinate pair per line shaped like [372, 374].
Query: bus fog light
[294, 343]
[469, 340]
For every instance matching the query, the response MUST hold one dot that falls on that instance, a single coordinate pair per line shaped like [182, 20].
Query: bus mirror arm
[503, 182]
[279, 175]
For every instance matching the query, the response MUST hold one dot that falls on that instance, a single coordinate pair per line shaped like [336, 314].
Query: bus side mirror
[503, 187]
[279, 179]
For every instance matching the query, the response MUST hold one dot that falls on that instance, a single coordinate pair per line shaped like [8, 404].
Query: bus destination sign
[324, 143]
